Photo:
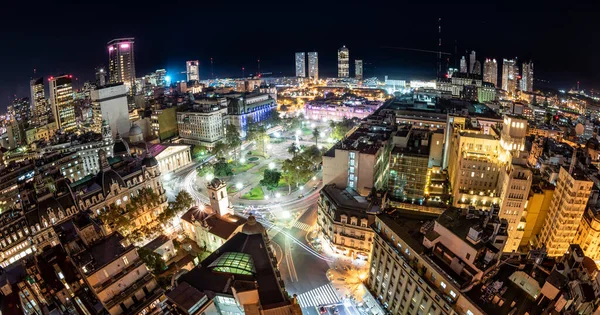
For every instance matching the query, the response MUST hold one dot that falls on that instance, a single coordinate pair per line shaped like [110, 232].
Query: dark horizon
[558, 40]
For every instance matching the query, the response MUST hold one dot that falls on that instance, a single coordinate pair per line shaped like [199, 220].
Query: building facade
[121, 62]
[358, 69]
[343, 58]
[490, 71]
[527, 77]
[39, 106]
[510, 73]
[566, 210]
[61, 102]
[516, 181]
[313, 65]
[588, 234]
[301, 64]
[109, 103]
[203, 127]
[192, 70]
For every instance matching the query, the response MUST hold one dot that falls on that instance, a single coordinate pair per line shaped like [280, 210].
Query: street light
[266, 197]
[314, 178]
[269, 147]
[298, 132]
[242, 160]
[239, 186]
[301, 187]
[277, 195]
[271, 165]
[209, 177]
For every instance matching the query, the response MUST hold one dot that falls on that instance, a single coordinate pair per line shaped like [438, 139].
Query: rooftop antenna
[258, 73]
[212, 70]
[243, 72]
[439, 47]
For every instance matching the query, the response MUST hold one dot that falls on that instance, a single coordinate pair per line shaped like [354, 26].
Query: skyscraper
[527, 77]
[472, 59]
[477, 67]
[490, 71]
[61, 102]
[358, 69]
[121, 62]
[313, 65]
[510, 72]
[301, 64]
[192, 70]
[39, 108]
[343, 62]
[463, 65]
[100, 76]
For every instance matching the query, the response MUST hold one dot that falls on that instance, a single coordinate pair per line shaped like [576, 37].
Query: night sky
[62, 37]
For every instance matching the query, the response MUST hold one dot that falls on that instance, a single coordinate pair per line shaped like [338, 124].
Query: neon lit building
[121, 62]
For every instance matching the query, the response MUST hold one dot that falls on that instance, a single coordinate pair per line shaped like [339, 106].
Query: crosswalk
[323, 295]
[302, 226]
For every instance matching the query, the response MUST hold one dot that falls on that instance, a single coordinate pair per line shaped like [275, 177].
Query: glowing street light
[312, 125]
[269, 147]
[271, 165]
[278, 195]
[298, 132]
[266, 197]
[301, 187]
[314, 178]
[239, 186]
[209, 177]
[242, 160]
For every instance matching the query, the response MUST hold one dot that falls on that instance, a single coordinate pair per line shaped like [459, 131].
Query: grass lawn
[255, 193]
[240, 168]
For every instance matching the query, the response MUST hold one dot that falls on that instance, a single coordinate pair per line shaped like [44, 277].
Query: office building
[422, 262]
[343, 58]
[192, 70]
[300, 64]
[251, 108]
[101, 76]
[204, 126]
[527, 77]
[360, 161]
[39, 105]
[109, 103]
[313, 65]
[477, 67]
[588, 234]
[61, 102]
[358, 69]
[490, 71]
[536, 211]
[472, 59]
[463, 65]
[510, 73]
[121, 62]
[566, 210]
[515, 179]
[164, 123]
[345, 219]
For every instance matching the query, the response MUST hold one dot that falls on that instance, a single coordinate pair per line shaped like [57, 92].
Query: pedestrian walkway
[302, 226]
[323, 295]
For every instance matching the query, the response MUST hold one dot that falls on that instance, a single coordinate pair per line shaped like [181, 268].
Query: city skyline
[152, 54]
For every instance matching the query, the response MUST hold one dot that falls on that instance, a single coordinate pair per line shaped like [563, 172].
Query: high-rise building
[490, 71]
[61, 102]
[472, 59]
[463, 65]
[568, 204]
[313, 65]
[510, 72]
[121, 62]
[527, 77]
[301, 64]
[100, 76]
[343, 62]
[192, 70]
[516, 180]
[109, 103]
[477, 67]
[39, 108]
[358, 69]
[588, 234]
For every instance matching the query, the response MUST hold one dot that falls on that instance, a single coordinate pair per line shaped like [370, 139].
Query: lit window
[125, 260]
[453, 294]
[442, 284]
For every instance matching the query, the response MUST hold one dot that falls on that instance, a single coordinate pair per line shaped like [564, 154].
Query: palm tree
[293, 149]
[316, 134]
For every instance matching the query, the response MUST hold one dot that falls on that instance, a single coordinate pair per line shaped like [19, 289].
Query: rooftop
[102, 253]
[222, 227]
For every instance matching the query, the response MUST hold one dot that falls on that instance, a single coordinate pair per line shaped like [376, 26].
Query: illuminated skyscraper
[39, 107]
[527, 77]
[61, 102]
[192, 70]
[358, 69]
[477, 67]
[301, 64]
[100, 76]
[343, 62]
[313, 65]
[472, 59]
[463, 65]
[490, 71]
[510, 72]
[121, 62]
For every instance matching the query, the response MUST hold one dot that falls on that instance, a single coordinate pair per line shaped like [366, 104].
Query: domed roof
[106, 178]
[120, 147]
[135, 130]
[253, 227]
[149, 161]
[215, 183]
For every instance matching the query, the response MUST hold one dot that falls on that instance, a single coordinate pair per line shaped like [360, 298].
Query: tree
[316, 135]
[288, 173]
[313, 155]
[152, 260]
[198, 151]
[274, 118]
[271, 179]
[222, 168]
[233, 138]
[293, 149]
[259, 135]
[220, 149]
[184, 200]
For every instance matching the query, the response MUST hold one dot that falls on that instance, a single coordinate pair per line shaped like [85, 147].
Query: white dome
[135, 130]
